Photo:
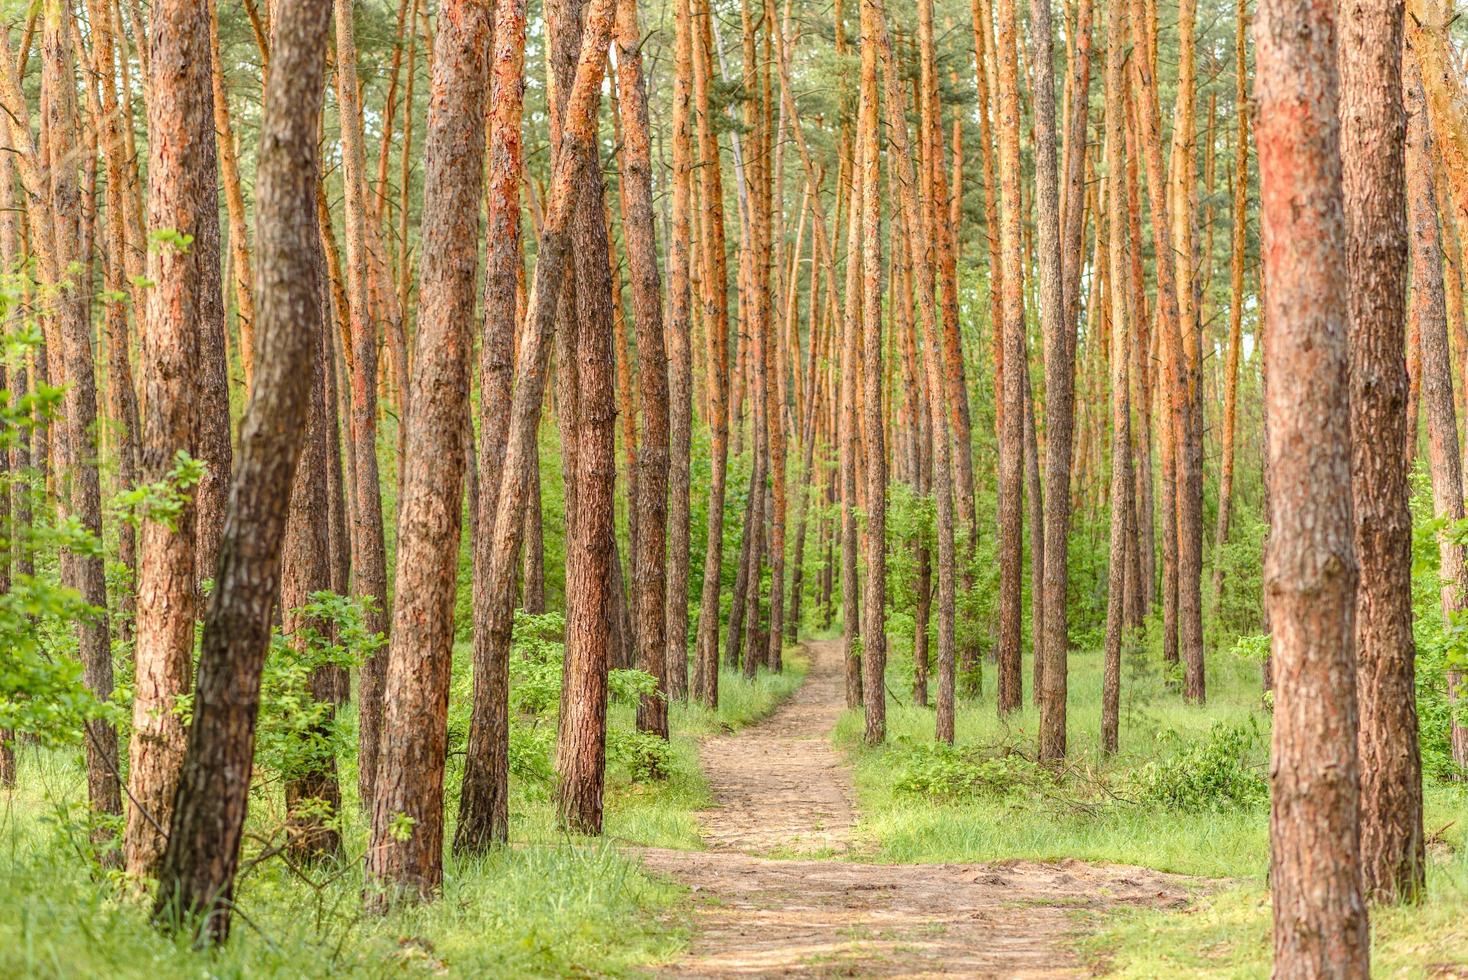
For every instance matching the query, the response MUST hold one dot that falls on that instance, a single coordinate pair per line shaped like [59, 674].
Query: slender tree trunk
[680, 360]
[1320, 920]
[416, 692]
[369, 554]
[1236, 304]
[1369, 54]
[181, 184]
[648, 581]
[483, 800]
[913, 225]
[714, 283]
[1011, 437]
[83, 572]
[239, 243]
[874, 632]
[1058, 325]
[1121, 481]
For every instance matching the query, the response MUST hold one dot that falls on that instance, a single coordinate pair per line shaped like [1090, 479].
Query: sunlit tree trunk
[199, 865]
[83, 572]
[680, 359]
[874, 632]
[1121, 477]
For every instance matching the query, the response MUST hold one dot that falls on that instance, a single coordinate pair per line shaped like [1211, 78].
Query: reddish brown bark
[199, 864]
[181, 185]
[416, 691]
[1373, 179]
[1320, 920]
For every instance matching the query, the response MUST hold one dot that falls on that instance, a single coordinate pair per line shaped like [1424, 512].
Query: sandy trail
[781, 788]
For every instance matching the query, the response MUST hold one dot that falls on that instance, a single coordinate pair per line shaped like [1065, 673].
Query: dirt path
[783, 789]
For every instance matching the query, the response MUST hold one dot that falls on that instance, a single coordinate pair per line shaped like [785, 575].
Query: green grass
[546, 906]
[1226, 932]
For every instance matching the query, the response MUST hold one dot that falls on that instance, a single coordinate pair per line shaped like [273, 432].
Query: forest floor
[783, 890]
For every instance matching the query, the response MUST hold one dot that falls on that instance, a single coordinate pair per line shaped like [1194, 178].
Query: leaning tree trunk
[199, 865]
[1320, 920]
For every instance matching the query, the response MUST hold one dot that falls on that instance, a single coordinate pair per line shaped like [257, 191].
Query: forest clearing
[746, 488]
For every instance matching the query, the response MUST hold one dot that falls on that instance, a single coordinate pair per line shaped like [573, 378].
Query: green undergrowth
[1227, 933]
[548, 905]
[1186, 793]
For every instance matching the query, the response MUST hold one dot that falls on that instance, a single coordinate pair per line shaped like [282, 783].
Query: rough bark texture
[1121, 481]
[581, 743]
[416, 690]
[83, 572]
[1236, 304]
[197, 877]
[1320, 920]
[680, 359]
[369, 553]
[649, 556]
[874, 631]
[1011, 396]
[483, 801]
[1373, 179]
[1059, 325]
[913, 225]
[180, 190]
[714, 285]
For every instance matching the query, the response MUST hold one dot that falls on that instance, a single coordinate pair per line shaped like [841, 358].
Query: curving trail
[782, 789]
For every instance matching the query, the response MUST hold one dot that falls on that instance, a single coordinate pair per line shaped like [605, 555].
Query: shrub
[1212, 774]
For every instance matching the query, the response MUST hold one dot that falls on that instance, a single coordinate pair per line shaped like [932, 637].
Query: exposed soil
[781, 788]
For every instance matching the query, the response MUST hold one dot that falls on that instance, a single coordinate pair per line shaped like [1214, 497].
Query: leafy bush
[949, 774]
[1212, 774]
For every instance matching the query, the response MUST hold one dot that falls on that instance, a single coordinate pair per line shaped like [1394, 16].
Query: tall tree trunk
[849, 442]
[874, 632]
[714, 282]
[680, 359]
[1369, 55]
[369, 554]
[483, 800]
[1236, 303]
[83, 572]
[581, 745]
[913, 225]
[1059, 326]
[181, 184]
[1320, 920]
[1121, 477]
[1391, 801]
[1011, 436]
[416, 692]
[648, 570]
[198, 872]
